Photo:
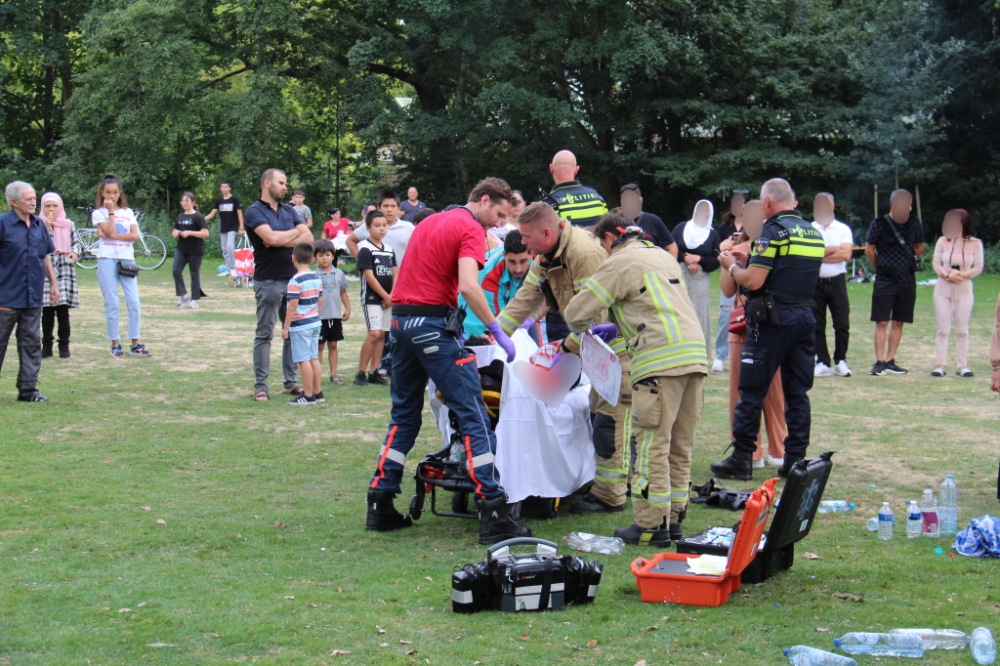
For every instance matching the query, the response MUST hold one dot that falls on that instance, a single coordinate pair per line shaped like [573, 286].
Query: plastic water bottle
[984, 648]
[881, 645]
[834, 506]
[885, 521]
[938, 639]
[929, 514]
[594, 543]
[803, 655]
[914, 521]
[949, 506]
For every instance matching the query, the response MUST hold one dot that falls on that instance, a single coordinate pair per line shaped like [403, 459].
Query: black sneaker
[375, 378]
[360, 379]
[319, 397]
[138, 350]
[591, 503]
[878, 370]
[34, 396]
[639, 536]
[891, 367]
[302, 400]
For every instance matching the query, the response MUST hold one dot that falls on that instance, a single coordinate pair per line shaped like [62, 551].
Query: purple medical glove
[528, 323]
[606, 332]
[501, 339]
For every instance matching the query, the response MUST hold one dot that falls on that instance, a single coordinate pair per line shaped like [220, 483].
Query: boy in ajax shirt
[302, 324]
[336, 306]
[377, 265]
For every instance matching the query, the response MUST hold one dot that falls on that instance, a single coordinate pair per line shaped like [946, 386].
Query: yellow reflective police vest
[578, 204]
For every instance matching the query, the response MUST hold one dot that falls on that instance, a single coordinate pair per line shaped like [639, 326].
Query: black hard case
[792, 521]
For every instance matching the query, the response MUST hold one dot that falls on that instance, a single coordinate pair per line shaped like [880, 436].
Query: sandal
[261, 396]
[294, 391]
[335, 379]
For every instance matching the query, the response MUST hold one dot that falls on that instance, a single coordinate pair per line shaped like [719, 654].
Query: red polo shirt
[430, 275]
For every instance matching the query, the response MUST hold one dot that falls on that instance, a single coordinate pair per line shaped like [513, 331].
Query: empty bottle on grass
[834, 506]
[948, 511]
[803, 655]
[984, 648]
[938, 639]
[594, 543]
[929, 514]
[881, 645]
[914, 521]
[885, 522]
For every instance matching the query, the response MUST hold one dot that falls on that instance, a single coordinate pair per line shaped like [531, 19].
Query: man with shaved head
[578, 204]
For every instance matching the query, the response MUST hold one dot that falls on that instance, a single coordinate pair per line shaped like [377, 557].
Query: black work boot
[591, 503]
[737, 466]
[496, 523]
[640, 536]
[675, 526]
[64, 349]
[47, 349]
[790, 460]
[382, 515]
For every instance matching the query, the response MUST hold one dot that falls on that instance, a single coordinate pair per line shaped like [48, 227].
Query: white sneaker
[718, 366]
[775, 462]
[758, 464]
[841, 369]
[822, 370]
[193, 305]
[183, 300]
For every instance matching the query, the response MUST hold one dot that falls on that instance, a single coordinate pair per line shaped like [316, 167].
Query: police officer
[779, 280]
[446, 252]
[578, 204]
[643, 288]
[566, 258]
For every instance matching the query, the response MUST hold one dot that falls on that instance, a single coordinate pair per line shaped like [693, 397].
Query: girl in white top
[958, 257]
[117, 229]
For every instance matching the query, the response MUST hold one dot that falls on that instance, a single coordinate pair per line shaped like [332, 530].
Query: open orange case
[665, 577]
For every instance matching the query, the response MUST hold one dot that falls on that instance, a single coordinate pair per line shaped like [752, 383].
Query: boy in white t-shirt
[336, 306]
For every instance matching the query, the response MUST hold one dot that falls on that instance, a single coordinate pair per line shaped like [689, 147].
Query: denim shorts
[305, 344]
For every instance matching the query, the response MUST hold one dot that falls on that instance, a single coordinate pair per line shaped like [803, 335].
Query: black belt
[831, 280]
[421, 310]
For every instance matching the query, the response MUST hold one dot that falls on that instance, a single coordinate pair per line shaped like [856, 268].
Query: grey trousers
[229, 249]
[29, 346]
[270, 295]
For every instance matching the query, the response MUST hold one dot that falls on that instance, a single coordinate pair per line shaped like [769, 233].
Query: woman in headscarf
[698, 254]
[68, 248]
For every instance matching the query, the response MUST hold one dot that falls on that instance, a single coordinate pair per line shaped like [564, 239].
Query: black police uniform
[781, 329]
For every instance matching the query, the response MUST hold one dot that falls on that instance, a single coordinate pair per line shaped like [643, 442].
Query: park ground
[152, 513]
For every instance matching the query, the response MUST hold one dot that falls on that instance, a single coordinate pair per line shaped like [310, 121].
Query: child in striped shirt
[302, 324]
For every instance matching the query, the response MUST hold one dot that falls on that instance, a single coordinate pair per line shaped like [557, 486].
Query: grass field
[152, 513]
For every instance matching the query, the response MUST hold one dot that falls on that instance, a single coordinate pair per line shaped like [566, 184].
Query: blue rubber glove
[606, 332]
[502, 339]
[528, 323]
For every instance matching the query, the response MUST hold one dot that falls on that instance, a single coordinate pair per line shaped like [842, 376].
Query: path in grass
[152, 513]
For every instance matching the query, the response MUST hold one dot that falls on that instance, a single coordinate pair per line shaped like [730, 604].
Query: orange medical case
[665, 577]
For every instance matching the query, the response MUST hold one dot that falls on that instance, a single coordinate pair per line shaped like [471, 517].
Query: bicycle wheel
[150, 252]
[90, 242]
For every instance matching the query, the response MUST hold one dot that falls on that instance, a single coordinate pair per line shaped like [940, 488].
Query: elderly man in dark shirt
[25, 246]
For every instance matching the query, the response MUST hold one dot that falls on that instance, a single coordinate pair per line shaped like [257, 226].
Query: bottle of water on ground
[594, 543]
[914, 521]
[803, 655]
[929, 514]
[948, 511]
[834, 506]
[938, 639]
[881, 645]
[885, 521]
[984, 648]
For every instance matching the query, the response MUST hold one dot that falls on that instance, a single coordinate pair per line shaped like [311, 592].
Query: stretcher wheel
[550, 508]
[416, 507]
[459, 502]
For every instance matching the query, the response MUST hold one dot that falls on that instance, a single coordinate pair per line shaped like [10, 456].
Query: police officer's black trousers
[791, 347]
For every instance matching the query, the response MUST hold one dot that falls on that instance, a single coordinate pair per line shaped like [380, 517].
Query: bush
[991, 258]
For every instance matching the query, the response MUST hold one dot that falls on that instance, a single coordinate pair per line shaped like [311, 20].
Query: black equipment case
[792, 521]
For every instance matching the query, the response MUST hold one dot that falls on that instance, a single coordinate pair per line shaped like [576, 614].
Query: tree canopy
[687, 98]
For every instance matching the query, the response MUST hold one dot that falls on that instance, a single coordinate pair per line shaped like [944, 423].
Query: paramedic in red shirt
[446, 253]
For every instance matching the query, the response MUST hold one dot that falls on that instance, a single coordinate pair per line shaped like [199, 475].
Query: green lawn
[152, 513]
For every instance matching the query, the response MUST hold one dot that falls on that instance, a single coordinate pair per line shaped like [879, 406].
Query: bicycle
[150, 250]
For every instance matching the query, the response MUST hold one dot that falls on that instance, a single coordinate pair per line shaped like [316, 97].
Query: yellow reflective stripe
[796, 250]
[626, 443]
[663, 307]
[602, 295]
[679, 495]
[770, 252]
[664, 358]
[573, 337]
[623, 325]
[618, 346]
[612, 475]
[658, 498]
[532, 279]
[586, 205]
[642, 461]
[579, 284]
[507, 322]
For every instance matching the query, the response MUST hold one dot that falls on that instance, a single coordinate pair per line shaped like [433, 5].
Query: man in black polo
[650, 224]
[895, 243]
[25, 246]
[274, 228]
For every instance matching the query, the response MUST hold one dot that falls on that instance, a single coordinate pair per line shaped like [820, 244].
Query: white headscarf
[696, 231]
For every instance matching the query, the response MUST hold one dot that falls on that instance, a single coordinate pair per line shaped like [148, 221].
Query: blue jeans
[108, 279]
[722, 335]
[423, 349]
[791, 347]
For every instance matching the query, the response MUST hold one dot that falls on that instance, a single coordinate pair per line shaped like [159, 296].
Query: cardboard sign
[602, 366]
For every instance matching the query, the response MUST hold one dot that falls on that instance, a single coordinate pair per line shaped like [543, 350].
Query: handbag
[738, 321]
[127, 268]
